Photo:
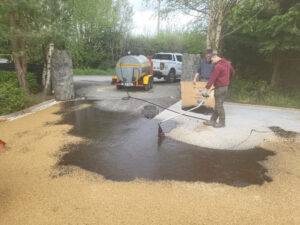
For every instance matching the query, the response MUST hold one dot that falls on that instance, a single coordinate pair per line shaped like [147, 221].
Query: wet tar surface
[283, 133]
[125, 146]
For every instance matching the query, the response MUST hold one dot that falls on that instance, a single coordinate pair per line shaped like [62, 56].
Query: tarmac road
[241, 119]
[99, 87]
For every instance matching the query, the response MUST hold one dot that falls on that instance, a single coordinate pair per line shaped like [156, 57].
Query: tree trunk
[158, 16]
[209, 26]
[216, 47]
[214, 29]
[44, 74]
[113, 49]
[47, 87]
[112, 54]
[21, 70]
[19, 50]
[218, 10]
[276, 72]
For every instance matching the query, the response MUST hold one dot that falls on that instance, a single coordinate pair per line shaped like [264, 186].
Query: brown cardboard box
[191, 95]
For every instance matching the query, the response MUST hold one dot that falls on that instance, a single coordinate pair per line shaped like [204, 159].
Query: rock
[62, 75]
[190, 64]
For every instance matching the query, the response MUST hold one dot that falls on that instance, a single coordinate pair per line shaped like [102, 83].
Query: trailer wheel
[151, 82]
[147, 87]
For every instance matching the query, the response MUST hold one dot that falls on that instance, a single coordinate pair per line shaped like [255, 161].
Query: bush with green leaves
[259, 92]
[13, 98]
[11, 77]
[33, 86]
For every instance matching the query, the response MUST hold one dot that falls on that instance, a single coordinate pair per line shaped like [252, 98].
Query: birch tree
[158, 6]
[213, 13]
[218, 12]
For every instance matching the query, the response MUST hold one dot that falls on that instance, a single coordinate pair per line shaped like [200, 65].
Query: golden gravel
[30, 193]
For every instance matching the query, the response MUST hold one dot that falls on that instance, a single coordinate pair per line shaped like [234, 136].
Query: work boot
[209, 123]
[219, 125]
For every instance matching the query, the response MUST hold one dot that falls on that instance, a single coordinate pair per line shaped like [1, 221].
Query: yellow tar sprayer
[134, 71]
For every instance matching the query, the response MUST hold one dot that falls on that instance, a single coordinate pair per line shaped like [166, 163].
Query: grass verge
[260, 93]
[89, 71]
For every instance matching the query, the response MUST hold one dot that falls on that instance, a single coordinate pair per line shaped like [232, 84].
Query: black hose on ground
[253, 130]
[161, 133]
[194, 117]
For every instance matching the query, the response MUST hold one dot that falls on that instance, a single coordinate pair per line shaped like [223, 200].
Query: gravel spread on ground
[34, 190]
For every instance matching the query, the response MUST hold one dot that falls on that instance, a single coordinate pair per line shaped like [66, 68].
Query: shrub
[259, 92]
[8, 77]
[32, 83]
[11, 77]
[13, 98]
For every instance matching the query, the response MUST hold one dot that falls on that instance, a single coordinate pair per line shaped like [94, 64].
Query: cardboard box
[191, 95]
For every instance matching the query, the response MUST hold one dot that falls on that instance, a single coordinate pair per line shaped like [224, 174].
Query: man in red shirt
[220, 78]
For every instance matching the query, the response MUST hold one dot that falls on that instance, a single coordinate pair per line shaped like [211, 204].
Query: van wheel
[171, 76]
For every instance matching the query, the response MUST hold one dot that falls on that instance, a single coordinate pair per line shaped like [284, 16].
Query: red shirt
[221, 74]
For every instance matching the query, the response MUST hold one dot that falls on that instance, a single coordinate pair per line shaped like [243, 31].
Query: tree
[213, 13]
[18, 19]
[98, 33]
[218, 13]
[272, 36]
[280, 35]
[157, 6]
[94, 32]
[28, 24]
[158, 16]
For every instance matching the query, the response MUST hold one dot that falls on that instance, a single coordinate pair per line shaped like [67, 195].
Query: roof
[169, 53]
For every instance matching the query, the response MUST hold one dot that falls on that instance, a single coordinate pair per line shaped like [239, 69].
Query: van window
[179, 58]
[163, 56]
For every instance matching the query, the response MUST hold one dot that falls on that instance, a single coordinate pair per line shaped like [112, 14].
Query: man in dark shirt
[220, 78]
[205, 69]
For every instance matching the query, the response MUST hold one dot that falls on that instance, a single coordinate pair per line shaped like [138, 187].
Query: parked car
[3, 60]
[167, 65]
[6, 58]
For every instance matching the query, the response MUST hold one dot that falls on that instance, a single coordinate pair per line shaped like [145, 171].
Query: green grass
[259, 92]
[89, 71]
[270, 100]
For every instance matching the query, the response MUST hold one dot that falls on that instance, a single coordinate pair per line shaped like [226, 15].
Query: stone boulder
[62, 75]
[190, 65]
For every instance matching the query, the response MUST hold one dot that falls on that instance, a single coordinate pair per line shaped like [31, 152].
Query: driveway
[98, 160]
[247, 126]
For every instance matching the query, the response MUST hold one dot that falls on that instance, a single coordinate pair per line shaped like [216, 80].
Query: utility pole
[158, 16]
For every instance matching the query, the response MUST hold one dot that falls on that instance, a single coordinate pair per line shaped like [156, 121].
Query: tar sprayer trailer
[134, 71]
